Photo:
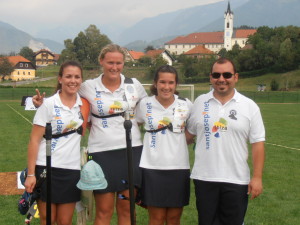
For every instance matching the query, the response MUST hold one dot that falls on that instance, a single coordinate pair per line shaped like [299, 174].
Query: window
[182, 46]
[28, 73]
[227, 25]
[18, 72]
[24, 73]
[175, 46]
[26, 64]
[21, 64]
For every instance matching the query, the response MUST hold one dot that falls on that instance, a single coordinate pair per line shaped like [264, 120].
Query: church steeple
[228, 28]
[228, 9]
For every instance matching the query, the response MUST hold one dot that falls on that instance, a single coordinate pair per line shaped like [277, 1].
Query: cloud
[34, 15]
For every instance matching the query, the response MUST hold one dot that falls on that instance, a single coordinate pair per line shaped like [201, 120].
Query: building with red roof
[45, 57]
[199, 52]
[23, 68]
[161, 52]
[214, 41]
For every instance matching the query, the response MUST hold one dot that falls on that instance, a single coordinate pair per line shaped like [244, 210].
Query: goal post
[185, 90]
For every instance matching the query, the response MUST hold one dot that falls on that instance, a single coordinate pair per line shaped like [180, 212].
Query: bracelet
[30, 175]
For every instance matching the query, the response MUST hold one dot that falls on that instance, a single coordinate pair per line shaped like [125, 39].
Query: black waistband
[79, 130]
[160, 129]
[107, 116]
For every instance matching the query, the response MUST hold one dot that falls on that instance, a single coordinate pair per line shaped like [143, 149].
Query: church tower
[228, 28]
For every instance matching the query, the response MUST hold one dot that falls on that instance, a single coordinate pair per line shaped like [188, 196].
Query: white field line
[282, 146]
[20, 114]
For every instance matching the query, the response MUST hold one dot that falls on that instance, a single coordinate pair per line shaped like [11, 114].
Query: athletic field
[278, 205]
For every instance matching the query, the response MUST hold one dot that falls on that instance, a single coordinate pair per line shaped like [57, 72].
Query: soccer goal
[185, 90]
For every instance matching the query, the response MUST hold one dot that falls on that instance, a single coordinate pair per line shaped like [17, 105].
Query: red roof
[209, 37]
[56, 57]
[136, 55]
[16, 59]
[199, 49]
[244, 33]
[153, 53]
[199, 38]
[44, 50]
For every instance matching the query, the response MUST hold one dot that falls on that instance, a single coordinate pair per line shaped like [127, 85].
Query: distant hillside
[13, 39]
[256, 13]
[141, 45]
[176, 23]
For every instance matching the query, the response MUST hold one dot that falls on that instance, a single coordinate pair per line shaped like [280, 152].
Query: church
[213, 41]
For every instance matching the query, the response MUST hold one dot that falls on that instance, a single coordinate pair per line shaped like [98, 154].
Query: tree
[148, 48]
[145, 60]
[86, 46]
[6, 67]
[156, 63]
[68, 53]
[27, 53]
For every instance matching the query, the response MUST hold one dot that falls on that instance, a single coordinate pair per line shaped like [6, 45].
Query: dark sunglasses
[226, 75]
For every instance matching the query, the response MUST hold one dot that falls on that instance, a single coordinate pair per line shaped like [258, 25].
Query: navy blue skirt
[63, 185]
[165, 188]
[114, 166]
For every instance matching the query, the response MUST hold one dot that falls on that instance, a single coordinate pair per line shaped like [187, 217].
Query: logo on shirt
[232, 114]
[151, 126]
[115, 108]
[100, 106]
[206, 118]
[163, 123]
[219, 126]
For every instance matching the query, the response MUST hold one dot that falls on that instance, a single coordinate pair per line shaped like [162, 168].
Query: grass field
[278, 205]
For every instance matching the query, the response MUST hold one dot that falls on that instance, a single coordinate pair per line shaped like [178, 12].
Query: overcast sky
[34, 15]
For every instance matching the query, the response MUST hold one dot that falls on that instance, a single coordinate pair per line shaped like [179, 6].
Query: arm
[38, 98]
[189, 137]
[255, 186]
[33, 147]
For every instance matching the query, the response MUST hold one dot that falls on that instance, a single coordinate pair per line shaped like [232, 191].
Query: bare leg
[157, 216]
[174, 215]
[123, 209]
[104, 208]
[42, 211]
[64, 213]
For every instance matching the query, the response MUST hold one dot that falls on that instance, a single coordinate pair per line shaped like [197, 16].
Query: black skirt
[166, 188]
[63, 185]
[114, 166]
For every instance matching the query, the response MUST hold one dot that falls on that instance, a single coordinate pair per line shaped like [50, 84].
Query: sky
[32, 16]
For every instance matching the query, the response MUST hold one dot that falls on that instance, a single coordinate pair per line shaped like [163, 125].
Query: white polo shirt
[109, 133]
[163, 150]
[223, 132]
[65, 151]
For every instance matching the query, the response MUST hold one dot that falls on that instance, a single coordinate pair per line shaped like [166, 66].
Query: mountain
[176, 23]
[256, 13]
[13, 39]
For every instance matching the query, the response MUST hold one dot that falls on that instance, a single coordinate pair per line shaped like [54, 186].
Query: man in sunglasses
[224, 121]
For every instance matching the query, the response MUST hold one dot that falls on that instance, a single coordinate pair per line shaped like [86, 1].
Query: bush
[274, 85]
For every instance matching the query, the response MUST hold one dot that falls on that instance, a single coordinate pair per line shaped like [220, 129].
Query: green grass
[279, 204]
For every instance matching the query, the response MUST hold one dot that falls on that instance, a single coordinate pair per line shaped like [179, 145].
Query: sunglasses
[226, 75]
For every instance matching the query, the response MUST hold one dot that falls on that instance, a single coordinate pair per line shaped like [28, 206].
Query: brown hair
[110, 48]
[222, 61]
[163, 69]
[61, 71]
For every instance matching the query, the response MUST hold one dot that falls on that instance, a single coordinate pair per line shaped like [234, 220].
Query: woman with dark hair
[165, 159]
[62, 110]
